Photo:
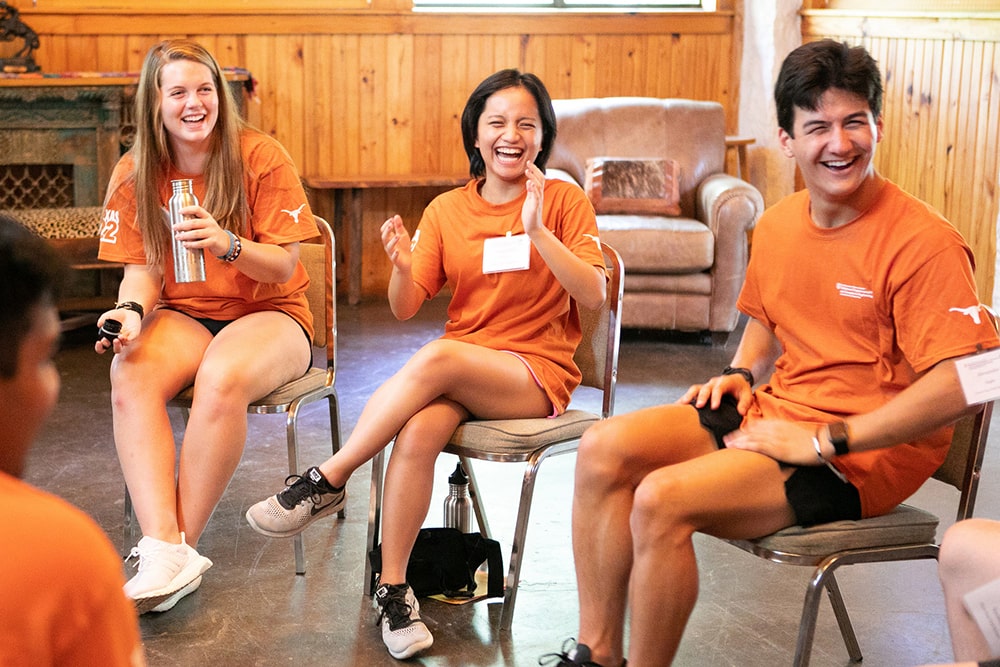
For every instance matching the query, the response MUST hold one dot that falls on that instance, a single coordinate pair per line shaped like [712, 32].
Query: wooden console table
[329, 197]
[739, 146]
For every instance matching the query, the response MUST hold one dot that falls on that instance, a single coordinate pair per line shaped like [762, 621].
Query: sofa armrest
[729, 207]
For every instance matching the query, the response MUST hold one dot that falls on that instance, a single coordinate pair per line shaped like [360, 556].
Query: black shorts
[815, 494]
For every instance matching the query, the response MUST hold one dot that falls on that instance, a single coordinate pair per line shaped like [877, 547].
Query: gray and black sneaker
[573, 654]
[305, 498]
[403, 633]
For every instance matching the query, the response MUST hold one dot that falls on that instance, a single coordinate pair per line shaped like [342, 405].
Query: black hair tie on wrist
[133, 306]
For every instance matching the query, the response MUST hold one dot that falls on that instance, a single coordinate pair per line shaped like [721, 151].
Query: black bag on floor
[445, 560]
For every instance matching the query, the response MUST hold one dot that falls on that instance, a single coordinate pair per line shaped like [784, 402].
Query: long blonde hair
[225, 191]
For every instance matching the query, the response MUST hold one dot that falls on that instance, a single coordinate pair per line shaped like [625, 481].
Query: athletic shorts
[815, 494]
[215, 326]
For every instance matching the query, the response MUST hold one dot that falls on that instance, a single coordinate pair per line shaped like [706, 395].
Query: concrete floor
[253, 610]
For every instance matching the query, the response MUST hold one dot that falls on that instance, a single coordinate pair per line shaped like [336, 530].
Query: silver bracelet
[819, 455]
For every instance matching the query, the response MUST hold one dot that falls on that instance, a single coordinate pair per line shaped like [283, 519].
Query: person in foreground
[519, 252]
[968, 565]
[859, 298]
[60, 598]
[236, 335]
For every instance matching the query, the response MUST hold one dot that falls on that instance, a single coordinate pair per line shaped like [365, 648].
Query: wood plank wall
[941, 112]
[382, 93]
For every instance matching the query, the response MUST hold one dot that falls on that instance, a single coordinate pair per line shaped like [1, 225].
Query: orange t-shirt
[860, 311]
[61, 598]
[279, 214]
[525, 312]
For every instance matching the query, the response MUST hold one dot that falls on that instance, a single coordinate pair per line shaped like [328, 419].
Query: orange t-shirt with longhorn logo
[861, 311]
[279, 214]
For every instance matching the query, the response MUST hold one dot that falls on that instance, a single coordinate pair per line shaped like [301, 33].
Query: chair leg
[291, 422]
[517, 544]
[823, 578]
[477, 501]
[335, 435]
[843, 618]
[374, 517]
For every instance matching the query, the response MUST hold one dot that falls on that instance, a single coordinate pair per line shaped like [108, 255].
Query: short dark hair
[816, 67]
[31, 274]
[507, 78]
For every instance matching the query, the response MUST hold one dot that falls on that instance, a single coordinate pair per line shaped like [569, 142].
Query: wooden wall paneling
[456, 85]
[374, 118]
[428, 114]
[349, 109]
[559, 59]
[320, 128]
[583, 59]
[401, 100]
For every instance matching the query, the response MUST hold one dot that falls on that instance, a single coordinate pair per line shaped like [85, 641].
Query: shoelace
[563, 658]
[397, 609]
[298, 488]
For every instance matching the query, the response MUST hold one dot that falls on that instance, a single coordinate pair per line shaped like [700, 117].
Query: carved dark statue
[12, 28]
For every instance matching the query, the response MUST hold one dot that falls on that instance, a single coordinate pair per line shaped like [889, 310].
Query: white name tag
[506, 253]
[980, 376]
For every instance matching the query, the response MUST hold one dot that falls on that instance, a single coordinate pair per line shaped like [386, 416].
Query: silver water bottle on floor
[458, 504]
[189, 265]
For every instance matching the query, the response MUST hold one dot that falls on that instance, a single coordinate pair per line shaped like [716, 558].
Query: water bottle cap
[458, 477]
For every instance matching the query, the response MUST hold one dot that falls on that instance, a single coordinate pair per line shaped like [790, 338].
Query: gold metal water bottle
[189, 265]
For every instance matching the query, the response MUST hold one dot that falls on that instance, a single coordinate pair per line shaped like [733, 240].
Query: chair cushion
[521, 435]
[658, 244]
[902, 526]
[633, 185]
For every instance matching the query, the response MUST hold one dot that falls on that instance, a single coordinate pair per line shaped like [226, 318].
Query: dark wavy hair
[816, 67]
[507, 78]
[31, 275]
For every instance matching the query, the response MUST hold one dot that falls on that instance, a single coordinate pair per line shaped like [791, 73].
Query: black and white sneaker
[403, 633]
[305, 498]
[573, 654]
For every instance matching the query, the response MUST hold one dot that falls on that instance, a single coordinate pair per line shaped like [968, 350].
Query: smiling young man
[859, 298]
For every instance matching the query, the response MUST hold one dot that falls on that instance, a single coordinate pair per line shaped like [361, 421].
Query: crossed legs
[444, 383]
[645, 483]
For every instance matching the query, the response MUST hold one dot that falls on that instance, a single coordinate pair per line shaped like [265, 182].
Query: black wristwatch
[745, 372]
[839, 437]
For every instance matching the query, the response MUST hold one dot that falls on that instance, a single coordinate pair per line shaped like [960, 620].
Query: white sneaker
[169, 603]
[164, 569]
[403, 633]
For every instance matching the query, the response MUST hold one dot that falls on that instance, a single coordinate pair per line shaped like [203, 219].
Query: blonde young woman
[235, 336]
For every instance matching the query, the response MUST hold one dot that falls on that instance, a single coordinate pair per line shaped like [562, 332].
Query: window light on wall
[501, 6]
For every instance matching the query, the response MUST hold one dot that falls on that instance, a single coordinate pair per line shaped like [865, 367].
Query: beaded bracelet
[232, 244]
[235, 248]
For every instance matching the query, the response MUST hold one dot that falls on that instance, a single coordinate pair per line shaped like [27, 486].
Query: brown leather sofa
[682, 272]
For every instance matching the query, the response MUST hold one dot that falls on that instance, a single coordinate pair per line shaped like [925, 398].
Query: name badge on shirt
[506, 253]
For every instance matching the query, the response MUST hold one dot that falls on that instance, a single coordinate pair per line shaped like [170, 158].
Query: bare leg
[444, 383]
[729, 494]
[143, 378]
[968, 561]
[470, 375]
[616, 533]
[246, 360]
[410, 480]
[240, 364]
